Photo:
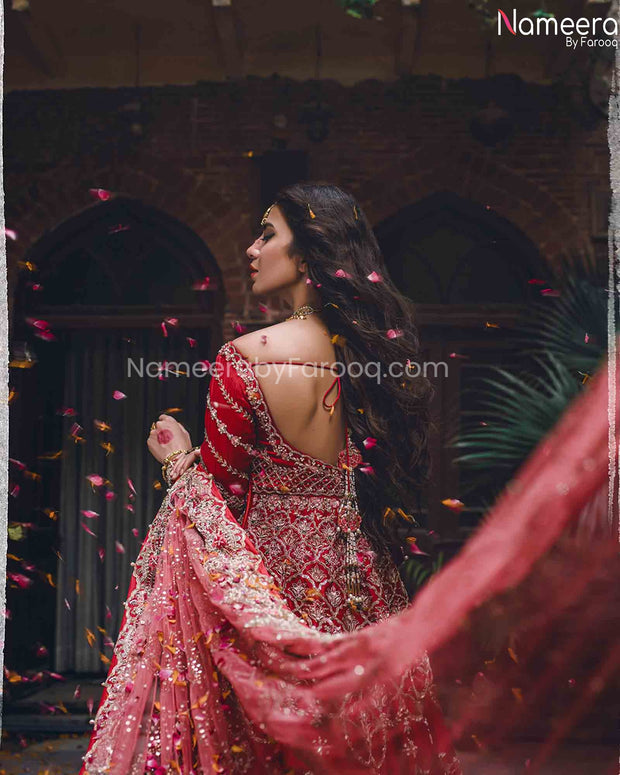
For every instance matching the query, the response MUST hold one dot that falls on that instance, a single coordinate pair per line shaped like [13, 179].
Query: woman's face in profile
[271, 268]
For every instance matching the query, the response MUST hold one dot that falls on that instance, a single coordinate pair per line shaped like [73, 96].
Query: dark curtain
[94, 571]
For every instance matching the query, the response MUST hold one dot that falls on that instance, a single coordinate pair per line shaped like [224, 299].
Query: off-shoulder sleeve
[230, 434]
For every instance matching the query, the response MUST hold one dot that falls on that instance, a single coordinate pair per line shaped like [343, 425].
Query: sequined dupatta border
[205, 613]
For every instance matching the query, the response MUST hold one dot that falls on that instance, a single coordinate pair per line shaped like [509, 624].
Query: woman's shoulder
[289, 340]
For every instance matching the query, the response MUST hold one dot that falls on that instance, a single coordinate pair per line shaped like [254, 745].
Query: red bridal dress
[240, 651]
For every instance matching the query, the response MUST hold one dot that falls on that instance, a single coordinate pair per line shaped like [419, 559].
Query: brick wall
[391, 144]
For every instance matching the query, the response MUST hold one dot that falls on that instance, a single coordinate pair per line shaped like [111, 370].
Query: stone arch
[491, 260]
[482, 178]
[217, 218]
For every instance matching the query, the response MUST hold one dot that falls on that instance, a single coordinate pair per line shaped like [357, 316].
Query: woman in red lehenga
[258, 635]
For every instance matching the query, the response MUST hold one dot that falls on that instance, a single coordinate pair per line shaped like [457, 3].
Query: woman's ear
[302, 265]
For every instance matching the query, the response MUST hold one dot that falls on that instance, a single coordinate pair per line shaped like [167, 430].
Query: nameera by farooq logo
[547, 24]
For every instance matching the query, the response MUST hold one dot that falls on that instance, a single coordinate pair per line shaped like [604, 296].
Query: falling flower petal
[109, 496]
[239, 328]
[95, 479]
[67, 412]
[549, 292]
[23, 582]
[413, 546]
[100, 193]
[134, 531]
[458, 355]
[89, 514]
[77, 693]
[203, 285]
[88, 530]
[108, 613]
[369, 442]
[263, 308]
[374, 277]
[118, 227]
[101, 553]
[17, 463]
[237, 489]
[394, 333]
[131, 485]
[47, 336]
[367, 469]
[129, 507]
[586, 338]
[534, 281]
[342, 273]
[11, 234]
[118, 396]
[192, 342]
[90, 704]
[120, 549]
[453, 504]
[67, 604]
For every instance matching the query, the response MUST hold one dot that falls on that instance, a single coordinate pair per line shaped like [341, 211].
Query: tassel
[349, 522]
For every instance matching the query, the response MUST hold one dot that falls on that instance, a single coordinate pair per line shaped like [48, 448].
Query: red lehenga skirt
[217, 669]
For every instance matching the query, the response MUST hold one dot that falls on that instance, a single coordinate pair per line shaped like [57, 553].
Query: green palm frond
[565, 338]
[518, 410]
[573, 327]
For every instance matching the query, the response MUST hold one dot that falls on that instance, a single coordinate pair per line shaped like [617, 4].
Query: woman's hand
[181, 463]
[166, 436]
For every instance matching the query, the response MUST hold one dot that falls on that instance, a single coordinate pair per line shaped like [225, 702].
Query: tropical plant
[565, 341]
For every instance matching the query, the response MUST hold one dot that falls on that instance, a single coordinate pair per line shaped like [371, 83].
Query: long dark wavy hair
[373, 322]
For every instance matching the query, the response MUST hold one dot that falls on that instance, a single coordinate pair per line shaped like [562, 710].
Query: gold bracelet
[166, 463]
[170, 459]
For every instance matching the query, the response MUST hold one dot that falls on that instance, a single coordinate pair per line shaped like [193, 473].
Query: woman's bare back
[295, 394]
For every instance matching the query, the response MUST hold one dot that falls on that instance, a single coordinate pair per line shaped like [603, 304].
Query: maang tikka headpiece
[266, 215]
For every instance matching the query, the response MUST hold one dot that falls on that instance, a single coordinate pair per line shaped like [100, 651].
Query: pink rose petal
[100, 193]
[118, 396]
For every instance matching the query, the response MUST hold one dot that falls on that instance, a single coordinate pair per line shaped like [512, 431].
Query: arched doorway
[469, 272]
[121, 287]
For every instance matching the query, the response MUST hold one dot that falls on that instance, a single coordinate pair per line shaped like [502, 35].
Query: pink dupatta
[214, 673]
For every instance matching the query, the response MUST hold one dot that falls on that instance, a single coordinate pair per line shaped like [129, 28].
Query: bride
[266, 627]
[273, 539]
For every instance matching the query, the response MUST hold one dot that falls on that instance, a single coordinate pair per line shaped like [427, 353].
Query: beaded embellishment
[349, 523]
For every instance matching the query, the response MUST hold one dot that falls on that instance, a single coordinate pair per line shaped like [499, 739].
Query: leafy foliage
[566, 341]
